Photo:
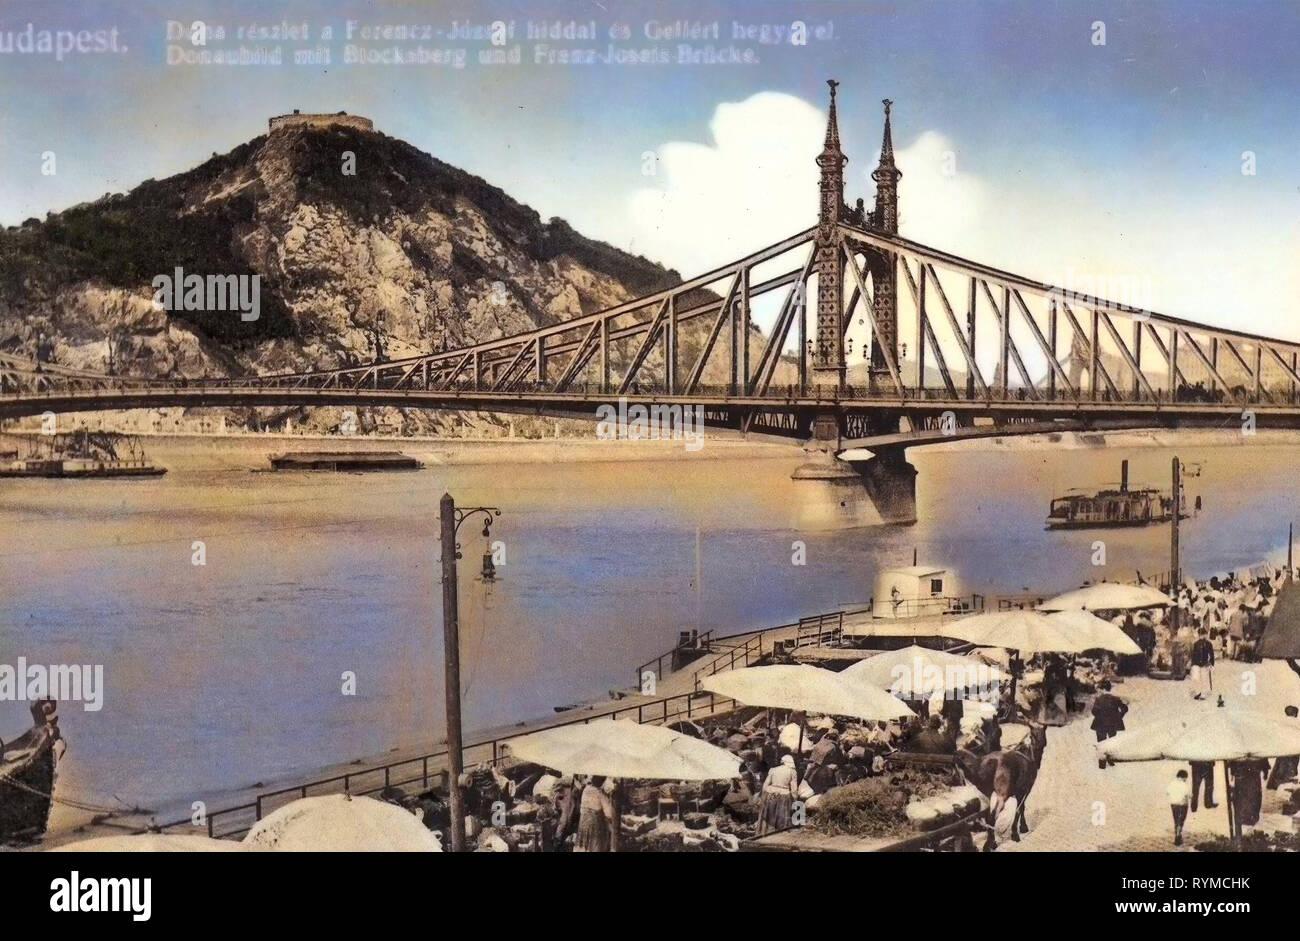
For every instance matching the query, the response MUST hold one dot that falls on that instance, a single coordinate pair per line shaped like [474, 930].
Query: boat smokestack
[1123, 476]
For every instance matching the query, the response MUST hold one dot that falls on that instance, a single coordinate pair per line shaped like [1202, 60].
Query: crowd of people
[788, 760]
[1216, 619]
[781, 758]
[1227, 612]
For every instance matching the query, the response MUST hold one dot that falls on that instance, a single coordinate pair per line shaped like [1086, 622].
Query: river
[221, 675]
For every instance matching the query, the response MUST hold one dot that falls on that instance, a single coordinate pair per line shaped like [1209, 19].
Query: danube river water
[230, 673]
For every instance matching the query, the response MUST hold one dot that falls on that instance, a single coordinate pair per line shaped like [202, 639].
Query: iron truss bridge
[985, 349]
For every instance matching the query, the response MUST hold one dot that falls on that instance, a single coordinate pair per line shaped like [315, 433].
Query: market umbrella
[1031, 632]
[1213, 734]
[1207, 734]
[1281, 637]
[806, 689]
[1107, 596]
[623, 749]
[917, 672]
[338, 823]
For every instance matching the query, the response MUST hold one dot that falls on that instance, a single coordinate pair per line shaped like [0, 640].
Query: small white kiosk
[914, 591]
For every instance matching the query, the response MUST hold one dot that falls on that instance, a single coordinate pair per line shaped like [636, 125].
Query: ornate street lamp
[451, 518]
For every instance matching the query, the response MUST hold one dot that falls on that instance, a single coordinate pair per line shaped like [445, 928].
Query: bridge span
[789, 416]
[987, 353]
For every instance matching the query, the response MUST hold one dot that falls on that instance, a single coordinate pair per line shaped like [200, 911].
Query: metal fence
[426, 769]
[729, 652]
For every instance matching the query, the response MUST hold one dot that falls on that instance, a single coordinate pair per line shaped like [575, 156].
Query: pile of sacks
[701, 832]
[947, 807]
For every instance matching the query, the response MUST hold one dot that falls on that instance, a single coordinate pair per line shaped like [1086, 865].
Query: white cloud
[935, 197]
[756, 183]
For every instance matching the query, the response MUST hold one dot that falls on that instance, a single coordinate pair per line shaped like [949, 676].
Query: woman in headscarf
[566, 796]
[776, 802]
[596, 811]
[1248, 797]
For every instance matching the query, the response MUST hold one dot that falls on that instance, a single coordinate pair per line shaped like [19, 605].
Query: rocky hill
[407, 246]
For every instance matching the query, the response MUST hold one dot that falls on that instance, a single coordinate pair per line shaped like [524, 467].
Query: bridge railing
[400, 377]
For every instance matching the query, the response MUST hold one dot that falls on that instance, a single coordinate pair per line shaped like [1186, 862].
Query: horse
[1001, 775]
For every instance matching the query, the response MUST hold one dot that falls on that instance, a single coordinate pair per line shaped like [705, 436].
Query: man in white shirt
[1179, 793]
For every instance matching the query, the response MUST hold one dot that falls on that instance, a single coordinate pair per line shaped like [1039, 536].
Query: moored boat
[27, 773]
[919, 591]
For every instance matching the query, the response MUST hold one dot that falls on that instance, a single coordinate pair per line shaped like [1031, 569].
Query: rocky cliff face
[424, 253]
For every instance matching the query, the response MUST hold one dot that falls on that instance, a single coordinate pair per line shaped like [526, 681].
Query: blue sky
[1068, 154]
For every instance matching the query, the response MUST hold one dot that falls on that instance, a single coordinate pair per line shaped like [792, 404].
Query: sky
[1150, 144]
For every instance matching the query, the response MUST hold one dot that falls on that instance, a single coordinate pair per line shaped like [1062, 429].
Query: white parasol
[1107, 596]
[336, 823]
[920, 673]
[1031, 632]
[806, 689]
[623, 749]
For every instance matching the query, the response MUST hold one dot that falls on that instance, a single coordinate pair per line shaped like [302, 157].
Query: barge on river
[344, 461]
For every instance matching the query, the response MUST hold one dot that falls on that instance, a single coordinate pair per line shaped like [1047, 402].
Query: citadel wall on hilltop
[341, 119]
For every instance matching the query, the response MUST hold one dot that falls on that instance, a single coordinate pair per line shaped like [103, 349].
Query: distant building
[341, 119]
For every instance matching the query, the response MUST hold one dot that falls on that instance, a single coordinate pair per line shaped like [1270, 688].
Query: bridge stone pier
[832, 493]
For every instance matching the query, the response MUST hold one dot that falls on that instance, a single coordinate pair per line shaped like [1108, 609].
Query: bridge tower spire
[884, 272]
[887, 176]
[828, 355]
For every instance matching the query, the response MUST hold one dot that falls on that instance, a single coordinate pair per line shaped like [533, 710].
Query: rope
[71, 802]
[79, 805]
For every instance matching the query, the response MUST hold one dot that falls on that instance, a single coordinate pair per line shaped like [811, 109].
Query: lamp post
[1175, 565]
[450, 519]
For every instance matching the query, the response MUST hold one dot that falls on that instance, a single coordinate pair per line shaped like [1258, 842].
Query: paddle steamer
[1113, 508]
[80, 455]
